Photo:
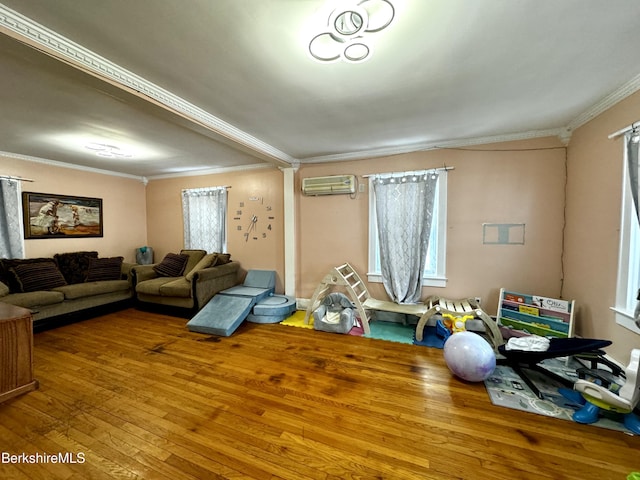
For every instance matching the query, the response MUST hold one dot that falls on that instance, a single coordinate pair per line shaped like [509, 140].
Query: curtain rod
[624, 130]
[410, 172]
[10, 177]
[221, 187]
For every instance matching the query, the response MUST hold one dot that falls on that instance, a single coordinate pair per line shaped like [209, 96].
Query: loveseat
[186, 280]
[65, 283]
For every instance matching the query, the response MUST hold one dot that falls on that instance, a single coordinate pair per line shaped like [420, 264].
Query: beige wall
[123, 202]
[594, 194]
[258, 189]
[522, 184]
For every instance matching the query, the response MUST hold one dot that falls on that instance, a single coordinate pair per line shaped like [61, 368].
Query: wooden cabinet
[16, 352]
[548, 317]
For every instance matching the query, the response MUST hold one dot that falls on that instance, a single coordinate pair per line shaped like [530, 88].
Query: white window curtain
[632, 144]
[11, 240]
[204, 211]
[632, 141]
[404, 213]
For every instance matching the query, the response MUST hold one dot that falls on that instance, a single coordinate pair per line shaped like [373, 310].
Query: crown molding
[32, 33]
[55, 163]
[212, 171]
[464, 142]
[627, 89]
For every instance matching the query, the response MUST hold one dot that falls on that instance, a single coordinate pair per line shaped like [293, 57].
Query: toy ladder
[344, 276]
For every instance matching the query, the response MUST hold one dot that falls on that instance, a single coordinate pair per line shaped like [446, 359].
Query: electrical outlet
[361, 188]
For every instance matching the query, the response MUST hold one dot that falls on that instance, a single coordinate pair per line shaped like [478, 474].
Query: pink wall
[123, 201]
[524, 183]
[594, 195]
[257, 188]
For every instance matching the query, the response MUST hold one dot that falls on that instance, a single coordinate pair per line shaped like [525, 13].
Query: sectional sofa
[186, 280]
[65, 283]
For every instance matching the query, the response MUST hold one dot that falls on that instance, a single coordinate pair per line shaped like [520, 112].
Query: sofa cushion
[74, 266]
[88, 289]
[172, 265]
[207, 261]
[194, 257]
[40, 298]
[152, 286]
[38, 276]
[101, 269]
[179, 287]
[4, 290]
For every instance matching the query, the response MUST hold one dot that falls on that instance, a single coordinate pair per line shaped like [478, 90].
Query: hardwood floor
[135, 395]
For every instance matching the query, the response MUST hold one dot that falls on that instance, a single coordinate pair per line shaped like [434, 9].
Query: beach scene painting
[61, 216]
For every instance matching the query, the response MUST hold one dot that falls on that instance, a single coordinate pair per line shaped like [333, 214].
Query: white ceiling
[214, 84]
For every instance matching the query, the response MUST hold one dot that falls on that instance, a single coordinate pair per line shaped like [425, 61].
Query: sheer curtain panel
[204, 212]
[632, 143]
[11, 241]
[404, 212]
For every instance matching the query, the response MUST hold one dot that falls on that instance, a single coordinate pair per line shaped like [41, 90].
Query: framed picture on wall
[61, 216]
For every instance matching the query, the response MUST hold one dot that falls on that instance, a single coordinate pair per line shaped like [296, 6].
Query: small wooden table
[16, 352]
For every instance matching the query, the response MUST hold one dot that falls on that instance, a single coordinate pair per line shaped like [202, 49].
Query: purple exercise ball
[469, 356]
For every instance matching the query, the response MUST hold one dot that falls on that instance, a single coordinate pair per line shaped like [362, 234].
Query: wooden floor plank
[142, 397]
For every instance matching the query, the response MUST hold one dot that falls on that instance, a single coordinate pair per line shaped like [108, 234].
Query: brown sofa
[190, 287]
[65, 283]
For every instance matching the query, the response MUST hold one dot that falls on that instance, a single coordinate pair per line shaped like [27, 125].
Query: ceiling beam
[55, 45]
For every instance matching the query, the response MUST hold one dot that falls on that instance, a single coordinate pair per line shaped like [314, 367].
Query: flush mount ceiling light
[109, 151]
[348, 29]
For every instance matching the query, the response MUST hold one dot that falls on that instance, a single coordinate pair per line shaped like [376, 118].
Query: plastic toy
[455, 323]
[620, 399]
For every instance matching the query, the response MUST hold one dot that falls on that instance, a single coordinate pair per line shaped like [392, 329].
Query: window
[204, 212]
[434, 274]
[628, 258]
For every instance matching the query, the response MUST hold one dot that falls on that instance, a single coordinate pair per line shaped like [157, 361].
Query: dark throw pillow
[38, 276]
[172, 265]
[223, 259]
[74, 266]
[104, 269]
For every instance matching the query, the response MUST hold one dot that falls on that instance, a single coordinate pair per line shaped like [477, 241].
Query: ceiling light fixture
[109, 151]
[348, 29]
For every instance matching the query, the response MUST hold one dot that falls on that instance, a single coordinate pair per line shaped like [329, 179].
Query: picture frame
[47, 215]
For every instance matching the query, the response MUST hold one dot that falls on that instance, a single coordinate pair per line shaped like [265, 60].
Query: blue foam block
[222, 315]
[267, 318]
[242, 291]
[260, 279]
[275, 305]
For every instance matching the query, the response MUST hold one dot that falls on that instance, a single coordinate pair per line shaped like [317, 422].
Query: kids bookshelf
[548, 317]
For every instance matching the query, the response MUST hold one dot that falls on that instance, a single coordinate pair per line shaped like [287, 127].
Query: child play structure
[253, 301]
[347, 278]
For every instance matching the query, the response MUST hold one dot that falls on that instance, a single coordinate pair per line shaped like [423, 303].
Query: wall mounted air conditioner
[333, 185]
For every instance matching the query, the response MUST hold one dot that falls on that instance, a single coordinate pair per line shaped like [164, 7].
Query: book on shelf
[536, 314]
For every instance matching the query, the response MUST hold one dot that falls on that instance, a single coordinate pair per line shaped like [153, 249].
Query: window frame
[435, 279]
[628, 279]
